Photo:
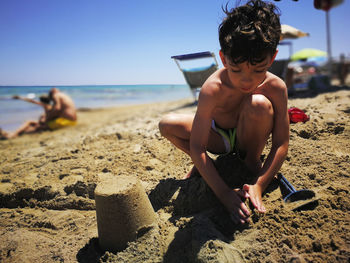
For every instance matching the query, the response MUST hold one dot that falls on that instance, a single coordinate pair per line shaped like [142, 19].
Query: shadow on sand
[204, 228]
[209, 225]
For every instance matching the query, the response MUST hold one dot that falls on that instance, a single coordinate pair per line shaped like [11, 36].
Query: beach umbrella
[289, 32]
[308, 53]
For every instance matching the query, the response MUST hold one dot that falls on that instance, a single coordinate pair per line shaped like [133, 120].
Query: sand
[47, 183]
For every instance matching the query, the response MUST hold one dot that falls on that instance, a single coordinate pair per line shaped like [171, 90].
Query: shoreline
[15, 113]
[36, 112]
[47, 182]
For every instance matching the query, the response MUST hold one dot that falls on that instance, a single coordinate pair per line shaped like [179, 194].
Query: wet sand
[47, 183]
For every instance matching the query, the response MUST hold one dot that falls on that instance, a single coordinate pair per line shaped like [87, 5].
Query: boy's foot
[191, 173]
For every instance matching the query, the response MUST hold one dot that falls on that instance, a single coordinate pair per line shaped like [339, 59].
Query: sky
[120, 42]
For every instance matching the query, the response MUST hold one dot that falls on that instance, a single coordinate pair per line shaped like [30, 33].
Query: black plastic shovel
[292, 195]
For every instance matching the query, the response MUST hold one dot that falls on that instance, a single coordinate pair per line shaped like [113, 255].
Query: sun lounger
[196, 76]
[279, 68]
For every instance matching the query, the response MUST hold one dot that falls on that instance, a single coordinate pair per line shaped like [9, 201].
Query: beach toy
[297, 115]
[123, 212]
[300, 200]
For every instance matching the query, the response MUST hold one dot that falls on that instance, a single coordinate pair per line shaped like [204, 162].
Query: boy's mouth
[247, 88]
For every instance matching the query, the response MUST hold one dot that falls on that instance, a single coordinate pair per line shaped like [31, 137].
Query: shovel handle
[285, 182]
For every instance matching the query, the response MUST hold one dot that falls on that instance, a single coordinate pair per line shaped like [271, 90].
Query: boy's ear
[223, 59]
[273, 57]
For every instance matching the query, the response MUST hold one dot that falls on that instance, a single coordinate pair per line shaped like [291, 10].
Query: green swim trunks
[228, 136]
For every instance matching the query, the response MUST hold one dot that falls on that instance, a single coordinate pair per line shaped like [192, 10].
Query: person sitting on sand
[63, 112]
[31, 126]
[239, 106]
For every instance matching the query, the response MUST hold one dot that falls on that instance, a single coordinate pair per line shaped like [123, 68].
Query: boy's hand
[233, 202]
[255, 196]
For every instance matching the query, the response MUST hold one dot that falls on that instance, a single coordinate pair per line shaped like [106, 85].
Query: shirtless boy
[243, 100]
[63, 111]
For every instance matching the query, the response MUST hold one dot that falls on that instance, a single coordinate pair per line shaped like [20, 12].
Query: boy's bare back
[63, 105]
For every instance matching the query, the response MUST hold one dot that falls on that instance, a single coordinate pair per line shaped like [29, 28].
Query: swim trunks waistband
[228, 136]
[59, 123]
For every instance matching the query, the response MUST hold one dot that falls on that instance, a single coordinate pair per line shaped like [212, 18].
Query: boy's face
[245, 76]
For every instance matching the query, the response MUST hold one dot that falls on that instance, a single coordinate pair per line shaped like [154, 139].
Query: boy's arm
[16, 97]
[198, 141]
[279, 148]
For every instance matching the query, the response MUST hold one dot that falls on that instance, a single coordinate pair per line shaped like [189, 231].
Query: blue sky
[81, 42]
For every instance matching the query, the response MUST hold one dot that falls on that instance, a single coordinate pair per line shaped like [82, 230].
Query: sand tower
[123, 212]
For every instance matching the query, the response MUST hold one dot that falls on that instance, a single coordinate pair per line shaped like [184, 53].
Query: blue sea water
[14, 112]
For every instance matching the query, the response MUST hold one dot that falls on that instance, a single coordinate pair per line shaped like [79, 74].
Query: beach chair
[279, 68]
[196, 76]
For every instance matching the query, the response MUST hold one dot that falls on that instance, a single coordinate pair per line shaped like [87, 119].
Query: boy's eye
[260, 70]
[235, 70]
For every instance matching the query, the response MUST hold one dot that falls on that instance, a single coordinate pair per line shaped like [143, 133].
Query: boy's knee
[260, 107]
[165, 124]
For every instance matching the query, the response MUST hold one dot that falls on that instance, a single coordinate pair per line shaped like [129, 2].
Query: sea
[15, 112]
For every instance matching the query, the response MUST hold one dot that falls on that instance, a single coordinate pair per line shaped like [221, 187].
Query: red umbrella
[326, 5]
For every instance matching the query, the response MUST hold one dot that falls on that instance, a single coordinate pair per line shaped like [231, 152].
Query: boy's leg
[27, 127]
[254, 127]
[177, 129]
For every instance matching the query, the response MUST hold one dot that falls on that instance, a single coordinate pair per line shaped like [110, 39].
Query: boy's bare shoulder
[213, 85]
[273, 85]
[275, 90]
[275, 81]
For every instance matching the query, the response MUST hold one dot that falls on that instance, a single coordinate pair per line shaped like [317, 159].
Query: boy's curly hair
[250, 32]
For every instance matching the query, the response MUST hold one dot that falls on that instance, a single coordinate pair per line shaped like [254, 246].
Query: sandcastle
[123, 212]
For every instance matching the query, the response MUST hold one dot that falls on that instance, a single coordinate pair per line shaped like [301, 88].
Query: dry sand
[47, 207]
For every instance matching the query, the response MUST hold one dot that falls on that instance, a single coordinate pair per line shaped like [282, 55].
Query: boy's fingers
[245, 194]
[262, 208]
[242, 193]
[255, 203]
[241, 214]
[258, 205]
[246, 187]
[245, 209]
[237, 219]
